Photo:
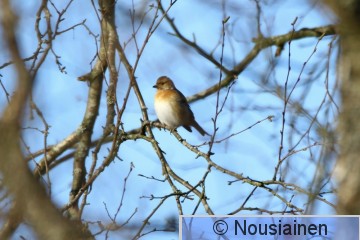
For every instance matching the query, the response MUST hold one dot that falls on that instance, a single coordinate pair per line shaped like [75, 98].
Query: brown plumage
[172, 108]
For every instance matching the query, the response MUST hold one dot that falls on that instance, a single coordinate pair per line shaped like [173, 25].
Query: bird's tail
[199, 128]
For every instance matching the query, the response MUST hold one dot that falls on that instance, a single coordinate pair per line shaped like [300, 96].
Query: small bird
[172, 108]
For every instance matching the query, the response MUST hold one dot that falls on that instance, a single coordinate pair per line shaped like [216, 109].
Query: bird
[172, 108]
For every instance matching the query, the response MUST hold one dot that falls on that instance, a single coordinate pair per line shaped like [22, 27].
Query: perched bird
[172, 108]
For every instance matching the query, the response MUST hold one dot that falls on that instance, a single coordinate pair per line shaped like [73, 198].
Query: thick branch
[28, 193]
[349, 127]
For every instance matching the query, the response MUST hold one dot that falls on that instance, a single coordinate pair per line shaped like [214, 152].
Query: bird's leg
[172, 130]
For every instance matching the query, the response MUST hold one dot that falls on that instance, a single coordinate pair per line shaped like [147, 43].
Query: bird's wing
[182, 99]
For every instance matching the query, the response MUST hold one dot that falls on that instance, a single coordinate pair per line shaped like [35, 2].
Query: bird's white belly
[166, 114]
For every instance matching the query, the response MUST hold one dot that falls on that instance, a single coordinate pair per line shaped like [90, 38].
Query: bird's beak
[154, 86]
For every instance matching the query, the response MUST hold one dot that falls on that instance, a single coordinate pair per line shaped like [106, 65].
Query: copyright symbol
[220, 227]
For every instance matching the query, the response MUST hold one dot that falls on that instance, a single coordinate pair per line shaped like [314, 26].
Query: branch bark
[349, 127]
[28, 195]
